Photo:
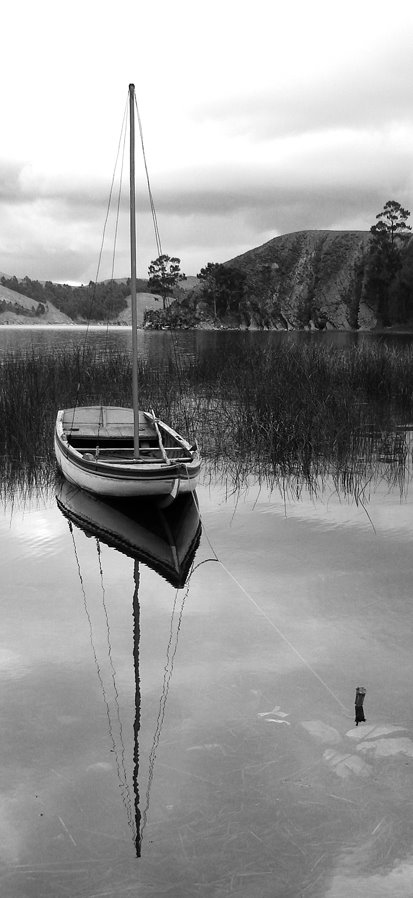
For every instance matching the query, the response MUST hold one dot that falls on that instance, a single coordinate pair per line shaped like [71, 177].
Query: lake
[161, 344]
[216, 719]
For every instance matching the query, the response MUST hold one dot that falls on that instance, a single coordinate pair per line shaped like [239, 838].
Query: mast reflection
[165, 540]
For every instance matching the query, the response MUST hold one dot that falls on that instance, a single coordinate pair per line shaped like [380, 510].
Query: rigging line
[122, 134]
[124, 131]
[109, 203]
[151, 201]
[98, 670]
[118, 203]
[168, 671]
[120, 762]
[157, 239]
[159, 722]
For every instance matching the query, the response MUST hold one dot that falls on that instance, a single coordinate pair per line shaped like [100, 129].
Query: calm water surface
[159, 344]
[252, 778]
[215, 719]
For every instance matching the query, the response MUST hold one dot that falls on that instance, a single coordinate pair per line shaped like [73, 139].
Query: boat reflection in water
[166, 540]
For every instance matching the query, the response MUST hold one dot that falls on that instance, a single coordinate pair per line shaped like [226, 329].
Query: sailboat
[165, 540]
[125, 452]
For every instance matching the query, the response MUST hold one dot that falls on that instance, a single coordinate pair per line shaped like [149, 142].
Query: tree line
[226, 291]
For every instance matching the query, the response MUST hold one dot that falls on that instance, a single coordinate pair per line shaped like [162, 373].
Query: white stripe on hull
[122, 488]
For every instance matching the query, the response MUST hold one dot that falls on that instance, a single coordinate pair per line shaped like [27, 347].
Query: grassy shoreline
[294, 411]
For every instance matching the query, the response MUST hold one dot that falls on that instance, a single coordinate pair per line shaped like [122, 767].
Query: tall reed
[286, 410]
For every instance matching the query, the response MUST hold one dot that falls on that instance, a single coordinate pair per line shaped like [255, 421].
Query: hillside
[143, 301]
[15, 308]
[317, 279]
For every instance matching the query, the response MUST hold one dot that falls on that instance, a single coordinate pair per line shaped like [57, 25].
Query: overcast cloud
[259, 119]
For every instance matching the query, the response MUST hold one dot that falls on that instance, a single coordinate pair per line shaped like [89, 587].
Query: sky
[259, 119]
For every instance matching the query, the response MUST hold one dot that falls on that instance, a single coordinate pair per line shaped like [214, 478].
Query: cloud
[319, 135]
[21, 183]
[59, 238]
[10, 180]
[367, 91]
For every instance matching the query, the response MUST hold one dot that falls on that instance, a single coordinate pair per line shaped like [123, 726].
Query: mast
[135, 397]
[136, 728]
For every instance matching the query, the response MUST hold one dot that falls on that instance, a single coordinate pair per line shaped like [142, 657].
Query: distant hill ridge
[318, 279]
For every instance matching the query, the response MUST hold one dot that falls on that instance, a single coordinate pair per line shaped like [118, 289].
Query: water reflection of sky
[259, 784]
[383, 510]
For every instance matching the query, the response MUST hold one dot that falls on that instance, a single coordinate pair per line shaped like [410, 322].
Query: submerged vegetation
[287, 413]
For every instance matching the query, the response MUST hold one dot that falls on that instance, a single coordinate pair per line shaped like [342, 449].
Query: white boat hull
[124, 479]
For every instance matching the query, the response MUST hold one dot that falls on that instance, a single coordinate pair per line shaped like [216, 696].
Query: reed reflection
[165, 540]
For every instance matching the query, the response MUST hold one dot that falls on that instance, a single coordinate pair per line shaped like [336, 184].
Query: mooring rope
[282, 635]
[263, 613]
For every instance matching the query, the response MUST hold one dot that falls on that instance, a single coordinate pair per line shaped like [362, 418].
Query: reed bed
[290, 411]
